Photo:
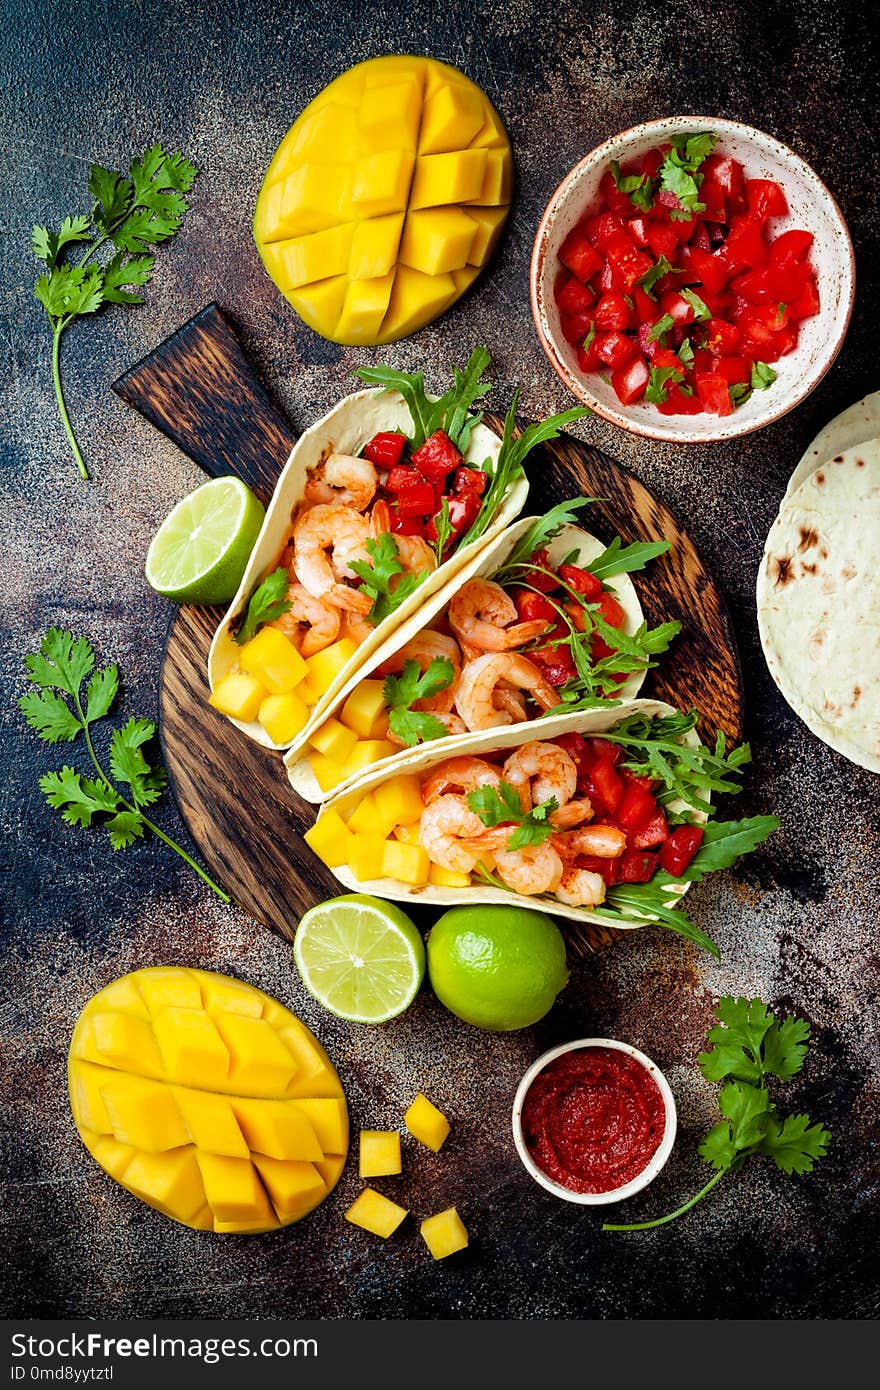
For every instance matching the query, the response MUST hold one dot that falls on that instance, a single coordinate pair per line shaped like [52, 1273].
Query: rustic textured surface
[797, 924]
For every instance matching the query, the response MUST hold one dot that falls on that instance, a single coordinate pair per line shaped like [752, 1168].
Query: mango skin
[207, 1099]
[385, 199]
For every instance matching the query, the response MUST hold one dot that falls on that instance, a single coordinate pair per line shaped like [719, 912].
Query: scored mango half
[385, 199]
[207, 1099]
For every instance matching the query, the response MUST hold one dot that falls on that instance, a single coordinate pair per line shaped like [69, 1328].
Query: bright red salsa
[593, 1119]
[417, 488]
[676, 284]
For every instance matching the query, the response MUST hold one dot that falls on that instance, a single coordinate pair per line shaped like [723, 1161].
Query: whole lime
[496, 967]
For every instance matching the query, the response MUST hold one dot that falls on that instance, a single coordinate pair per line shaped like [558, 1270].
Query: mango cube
[444, 1233]
[283, 716]
[409, 834]
[381, 183]
[273, 660]
[366, 752]
[438, 240]
[324, 667]
[426, 1123]
[302, 259]
[328, 774]
[366, 303]
[441, 179]
[363, 707]
[416, 296]
[366, 857]
[375, 1213]
[379, 1153]
[374, 247]
[398, 801]
[447, 878]
[405, 863]
[451, 119]
[329, 838]
[362, 820]
[334, 740]
[238, 695]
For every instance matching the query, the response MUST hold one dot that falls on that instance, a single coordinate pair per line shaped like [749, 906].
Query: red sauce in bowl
[593, 1119]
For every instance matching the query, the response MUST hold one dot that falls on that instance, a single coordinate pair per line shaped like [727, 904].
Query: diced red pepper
[636, 808]
[579, 256]
[402, 477]
[612, 311]
[713, 393]
[418, 500]
[582, 581]
[574, 298]
[679, 850]
[615, 348]
[470, 480]
[765, 199]
[385, 449]
[656, 832]
[437, 457]
[463, 510]
[531, 606]
[542, 576]
[631, 380]
[608, 787]
[635, 866]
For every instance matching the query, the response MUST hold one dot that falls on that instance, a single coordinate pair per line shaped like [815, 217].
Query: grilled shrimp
[423, 648]
[482, 613]
[539, 771]
[513, 702]
[357, 627]
[571, 814]
[344, 479]
[530, 870]
[414, 552]
[453, 835]
[475, 698]
[310, 623]
[325, 539]
[602, 841]
[581, 888]
[459, 775]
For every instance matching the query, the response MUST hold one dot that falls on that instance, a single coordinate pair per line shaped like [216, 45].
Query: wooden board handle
[200, 390]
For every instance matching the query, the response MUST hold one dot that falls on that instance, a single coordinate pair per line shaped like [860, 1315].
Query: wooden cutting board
[199, 388]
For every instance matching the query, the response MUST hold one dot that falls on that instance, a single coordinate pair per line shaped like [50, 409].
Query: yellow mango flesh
[444, 1233]
[371, 219]
[323, 668]
[379, 1155]
[334, 740]
[207, 1099]
[406, 863]
[329, 838]
[364, 706]
[239, 695]
[283, 716]
[375, 1213]
[426, 1123]
[273, 660]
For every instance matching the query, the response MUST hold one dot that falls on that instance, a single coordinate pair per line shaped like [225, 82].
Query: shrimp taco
[379, 504]
[601, 816]
[545, 618]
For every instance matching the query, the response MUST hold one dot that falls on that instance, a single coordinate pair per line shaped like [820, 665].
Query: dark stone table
[797, 924]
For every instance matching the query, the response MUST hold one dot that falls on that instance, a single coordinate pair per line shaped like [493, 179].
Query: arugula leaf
[661, 328]
[450, 412]
[702, 312]
[543, 530]
[458, 423]
[658, 378]
[265, 605]
[444, 530]
[63, 664]
[131, 212]
[502, 805]
[401, 693]
[617, 559]
[763, 376]
[384, 581]
[654, 749]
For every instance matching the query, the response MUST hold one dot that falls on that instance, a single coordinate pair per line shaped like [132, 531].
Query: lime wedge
[362, 958]
[201, 550]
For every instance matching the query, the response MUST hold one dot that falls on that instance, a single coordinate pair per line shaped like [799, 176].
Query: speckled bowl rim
[647, 1175]
[672, 433]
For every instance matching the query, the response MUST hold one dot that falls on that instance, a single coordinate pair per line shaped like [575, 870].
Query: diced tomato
[588, 358]
[470, 480]
[765, 199]
[790, 246]
[602, 228]
[614, 200]
[463, 511]
[630, 381]
[722, 338]
[723, 187]
[678, 402]
[579, 256]
[735, 370]
[744, 246]
[543, 575]
[418, 500]
[806, 305]
[615, 348]
[638, 230]
[678, 851]
[655, 832]
[574, 298]
[769, 285]
[582, 581]
[713, 393]
[636, 808]
[607, 786]
[635, 866]
[781, 344]
[626, 260]
[612, 611]
[385, 449]
[712, 267]
[758, 325]
[556, 663]
[530, 606]
[436, 457]
[663, 238]
[605, 279]
[577, 749]
[609, 869]
[402, 477]
[606, 752]
[650, 162]
[612, 311]
[646, 307]
[677, 307]
[575, 327]
[406, 525]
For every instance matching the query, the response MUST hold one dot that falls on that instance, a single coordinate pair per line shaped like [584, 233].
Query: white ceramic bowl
[616, 1194]
[811, 207]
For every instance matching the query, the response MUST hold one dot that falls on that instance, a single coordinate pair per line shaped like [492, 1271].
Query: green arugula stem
[670, 1216]
[136, 810]
[57, 331]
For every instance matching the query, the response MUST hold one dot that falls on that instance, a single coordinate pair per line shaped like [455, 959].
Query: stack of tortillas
[819, 586]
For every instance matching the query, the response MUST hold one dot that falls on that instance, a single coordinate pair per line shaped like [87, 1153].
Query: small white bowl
[811, 207]
[656, 1162]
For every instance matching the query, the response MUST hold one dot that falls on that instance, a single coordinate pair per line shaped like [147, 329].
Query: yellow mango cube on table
[363, 707]
[444, 1233]
[328, 774]
[405, 863]
[375, 1213]
[273, 660]
[379, 1153]
[366, 752]
[329, 838]
[398, 801]
[426, 1123]
[325, 666]
[283, 716]
[448, 878]
[366, 857]
[334, 740]
[239, 695]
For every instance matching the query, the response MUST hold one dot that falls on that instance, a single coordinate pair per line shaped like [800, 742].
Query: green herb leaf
[661, 328]
[650, 277]
[702, 312]
[62, 663]
[638, 187]
[128, 764]
[401, 692]
[265, 605]
[124, 828]
[543, 530]
[126, 270]
[678, 172]
[444, 530]
[384, 581]
[78, 798]
[101, 692]
[50, 716]
[502, 805]
[658, 380]
[750, 1044]
[739, 392]
[588, 341]
[763, 376]
[617, 559]
[49, 245]
[795, 1144]
[450, 412]
[686, 353]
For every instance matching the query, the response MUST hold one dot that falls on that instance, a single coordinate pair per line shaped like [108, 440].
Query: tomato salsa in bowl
[594, 1121]
[692, 279]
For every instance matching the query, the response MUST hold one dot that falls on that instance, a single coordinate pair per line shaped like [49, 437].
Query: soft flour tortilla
[486, 563]
[856, 425]
[819, 603]
[591, 722]
[346, 429]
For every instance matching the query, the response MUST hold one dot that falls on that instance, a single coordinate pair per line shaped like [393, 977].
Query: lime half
[201, 550]
[362, 958]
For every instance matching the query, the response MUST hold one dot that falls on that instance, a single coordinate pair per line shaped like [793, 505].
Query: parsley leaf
[763, 376]
[795, 1144]
[401, 693]
[679, 172]
[59, 710]
[384, 581]
[502, 806]
[661, 328]
[702, 313]
[658, 380]
[265, 605]
[739, 392]
[656, 272]
[686, 353]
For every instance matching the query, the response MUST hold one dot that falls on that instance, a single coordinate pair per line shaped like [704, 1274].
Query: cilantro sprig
[750, 1045]
[638, 187]
[401, 693]
[502, 806]
[59, 710]
[679, 172]
[385, 581]
[265, 605]
[131, 212]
